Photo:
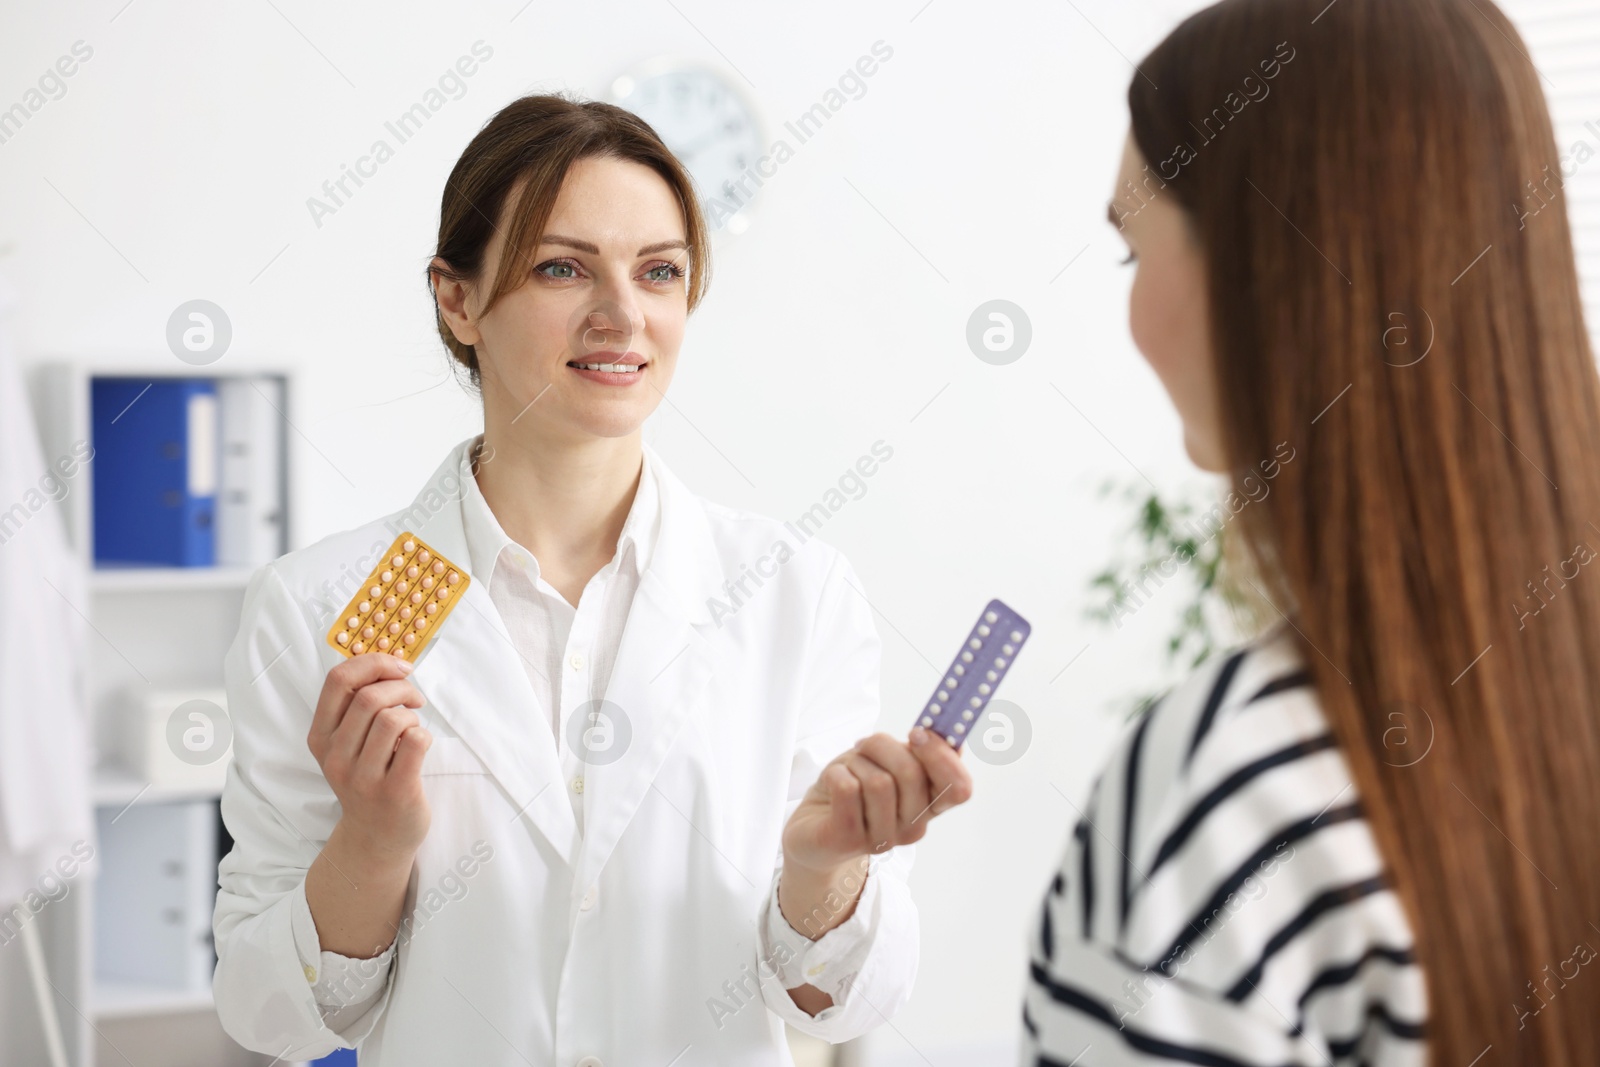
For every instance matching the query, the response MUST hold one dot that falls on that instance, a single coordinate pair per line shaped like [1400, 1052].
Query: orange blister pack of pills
[401, 604]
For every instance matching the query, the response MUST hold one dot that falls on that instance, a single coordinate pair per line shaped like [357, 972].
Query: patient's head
[1167, 310]
[1339, 253]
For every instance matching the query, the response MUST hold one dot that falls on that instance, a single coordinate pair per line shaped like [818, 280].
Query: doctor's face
[1167, 310]
[604, 287]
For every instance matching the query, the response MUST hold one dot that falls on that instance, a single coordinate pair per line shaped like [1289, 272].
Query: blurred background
[196, 206]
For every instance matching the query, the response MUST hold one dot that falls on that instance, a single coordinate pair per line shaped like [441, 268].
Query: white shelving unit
[153, 627]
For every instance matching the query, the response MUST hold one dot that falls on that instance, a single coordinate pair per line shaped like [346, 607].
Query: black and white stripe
[1222, 900]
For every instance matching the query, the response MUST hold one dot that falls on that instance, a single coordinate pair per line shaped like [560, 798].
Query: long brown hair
[537, 139]
[1385, 297]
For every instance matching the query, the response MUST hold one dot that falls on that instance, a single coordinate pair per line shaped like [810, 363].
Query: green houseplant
[1176, 559]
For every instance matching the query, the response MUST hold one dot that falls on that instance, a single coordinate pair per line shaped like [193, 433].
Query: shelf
[132, 579]
[116, 787]
[169, 627]
[124, 1000]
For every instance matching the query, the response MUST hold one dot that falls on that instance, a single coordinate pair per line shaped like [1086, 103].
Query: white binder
[250, 504]
[155, 894]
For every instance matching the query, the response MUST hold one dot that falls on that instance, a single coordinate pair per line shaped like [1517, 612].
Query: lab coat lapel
[663, 663]
[472, 677]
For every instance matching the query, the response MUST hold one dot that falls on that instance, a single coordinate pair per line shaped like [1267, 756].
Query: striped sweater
[1222, 900]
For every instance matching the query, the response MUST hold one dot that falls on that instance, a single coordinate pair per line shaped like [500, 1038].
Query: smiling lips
[610, 368]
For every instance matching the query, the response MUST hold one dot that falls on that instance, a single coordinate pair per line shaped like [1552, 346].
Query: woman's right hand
[368, 741]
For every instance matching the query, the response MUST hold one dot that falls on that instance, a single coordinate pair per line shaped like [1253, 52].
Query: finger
[878, 800]
[910, 777]
[846, 819]
[408, 754]
[948, 778]
[347, 742]
[341, 686]
[372, 766]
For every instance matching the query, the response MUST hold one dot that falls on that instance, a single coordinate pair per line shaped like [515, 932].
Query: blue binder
[155, 471]
[344, 1057]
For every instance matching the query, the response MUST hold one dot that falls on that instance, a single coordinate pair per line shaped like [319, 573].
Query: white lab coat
[45, 755]
[605, 949]
[46, 817]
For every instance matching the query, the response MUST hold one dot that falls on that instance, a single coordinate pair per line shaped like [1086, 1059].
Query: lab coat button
[589, 898]
[577, 784]
[311, 974]
[577, 662]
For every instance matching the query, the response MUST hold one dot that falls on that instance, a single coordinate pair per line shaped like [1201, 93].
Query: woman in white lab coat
[612, 815]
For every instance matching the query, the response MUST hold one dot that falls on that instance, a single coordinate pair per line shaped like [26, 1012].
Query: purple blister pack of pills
[973, 676]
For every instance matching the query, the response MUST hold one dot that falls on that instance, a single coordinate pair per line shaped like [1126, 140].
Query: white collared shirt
[568, 653]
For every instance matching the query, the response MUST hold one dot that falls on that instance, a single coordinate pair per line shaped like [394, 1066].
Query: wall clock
[710, 123]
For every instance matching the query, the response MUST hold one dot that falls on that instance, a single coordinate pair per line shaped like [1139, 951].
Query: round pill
[408, 545]
[416, 598]
[1008, 649]
[432, 608]
[934, 708]
[927, 721]
[984, 689]
[967, 715]
[990, 616]
[974, 643]
[959, 669]
[427, 581]
[352, 622]
[401, 586]
[992, 676]
[378, 617]
[405, 612]
[412, 571]
[976, 702]
[942, 695]
[375, 592]
[358, 648]
[1016, 635]
[383, 642]
[983, 631]
[367, 632]
[343, 638]
[961, 727]
[423, 557]
[999, 662]
[949, 683]
[438, 567]
[364, 607]
[389, 602]
[421, 623]
[410, 639]
[396, 561]
[454, 579]
[386, 577]
[444, 591]
[966, 657]
[394, 627]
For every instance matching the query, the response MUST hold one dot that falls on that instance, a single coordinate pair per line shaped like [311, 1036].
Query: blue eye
[557, 264]
[674, 272]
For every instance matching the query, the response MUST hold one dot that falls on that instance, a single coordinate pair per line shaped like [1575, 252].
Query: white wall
[178, 163]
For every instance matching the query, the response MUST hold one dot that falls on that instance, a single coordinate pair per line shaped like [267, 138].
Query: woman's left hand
[880, 794]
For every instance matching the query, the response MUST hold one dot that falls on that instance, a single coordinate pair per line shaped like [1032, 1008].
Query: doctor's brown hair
[539, 138]
[1385, 297]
